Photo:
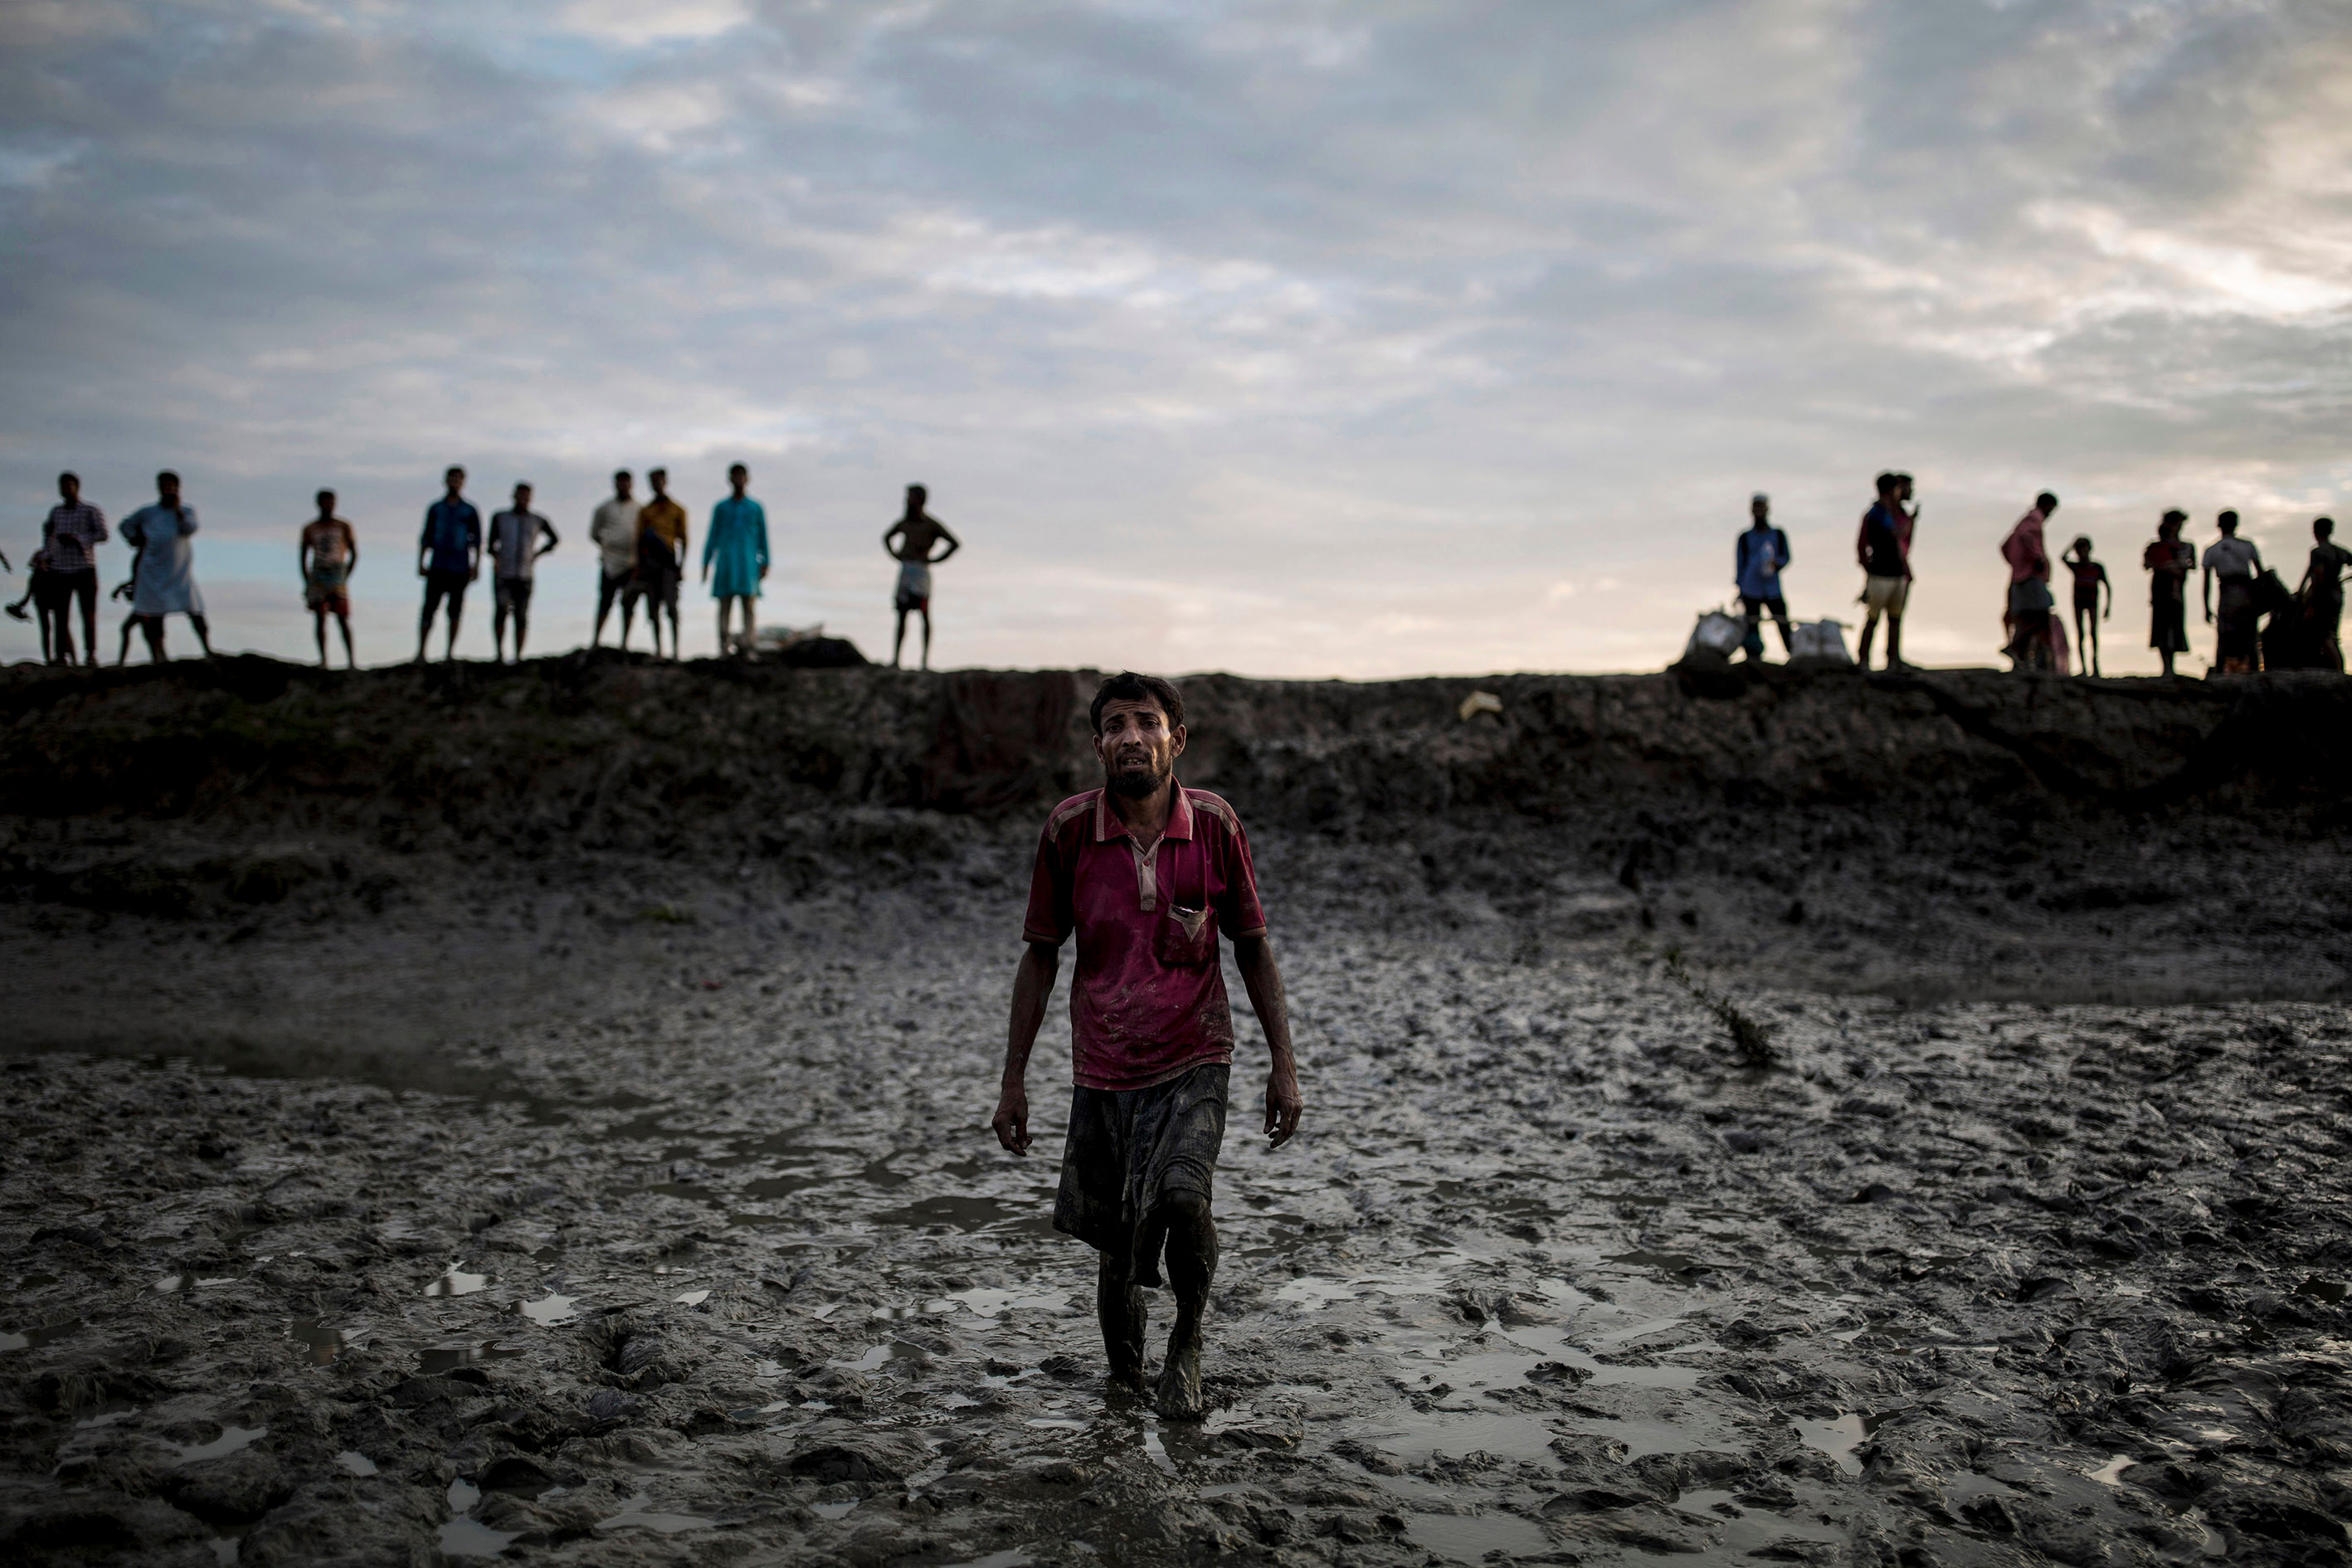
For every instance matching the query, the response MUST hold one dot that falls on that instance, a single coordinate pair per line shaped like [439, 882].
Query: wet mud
[658, 1219]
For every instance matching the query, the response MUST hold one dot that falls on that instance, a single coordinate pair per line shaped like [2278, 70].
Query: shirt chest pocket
[1186, 934]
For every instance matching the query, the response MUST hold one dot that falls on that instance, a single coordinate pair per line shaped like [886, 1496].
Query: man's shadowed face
[1138, 747]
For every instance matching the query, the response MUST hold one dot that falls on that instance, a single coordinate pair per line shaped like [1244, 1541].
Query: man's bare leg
[899, 639]
[926, 637]
[319, 625]
[1869, 635]
[1192, 1265]
[350, 659]
[449, 648]
[1118, 1307]
[1893, 641]
[151, 627]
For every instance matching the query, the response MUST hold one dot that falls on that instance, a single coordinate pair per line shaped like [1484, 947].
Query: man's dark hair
[322, 495]
[2324, 526]
[2175, 515]
[1886, 483]
[166, 474]
[2045, 503]
[1129, 687]
[620, 473]
[68, 474]
[735, 469]
[2228, 520]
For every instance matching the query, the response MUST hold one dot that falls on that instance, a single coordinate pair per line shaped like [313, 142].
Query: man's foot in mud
[1178, 1396]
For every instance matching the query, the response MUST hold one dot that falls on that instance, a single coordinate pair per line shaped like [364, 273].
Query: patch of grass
[1750, 1041]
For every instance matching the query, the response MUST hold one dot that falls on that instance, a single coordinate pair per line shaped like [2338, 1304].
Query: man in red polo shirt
[1146, 872]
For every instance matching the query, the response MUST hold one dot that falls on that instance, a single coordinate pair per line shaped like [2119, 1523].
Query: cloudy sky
[1288, 338]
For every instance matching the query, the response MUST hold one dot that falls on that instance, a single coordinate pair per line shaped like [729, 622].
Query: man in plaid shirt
[70, 538]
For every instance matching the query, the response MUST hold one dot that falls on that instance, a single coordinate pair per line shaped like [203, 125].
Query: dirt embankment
[1942, 831]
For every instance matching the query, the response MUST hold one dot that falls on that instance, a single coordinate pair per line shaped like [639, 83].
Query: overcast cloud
[1294, 338]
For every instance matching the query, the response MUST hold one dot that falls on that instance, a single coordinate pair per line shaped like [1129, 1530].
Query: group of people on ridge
[2304, 630]
[1881, 548]
[65, 572]
[641, 549]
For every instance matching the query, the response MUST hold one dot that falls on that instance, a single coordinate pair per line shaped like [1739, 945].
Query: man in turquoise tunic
[735, 552]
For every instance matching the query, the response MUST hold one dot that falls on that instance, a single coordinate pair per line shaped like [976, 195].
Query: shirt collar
[1107, 826]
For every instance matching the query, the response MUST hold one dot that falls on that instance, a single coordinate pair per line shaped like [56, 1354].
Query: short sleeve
[1239, 913]
[1051, 918]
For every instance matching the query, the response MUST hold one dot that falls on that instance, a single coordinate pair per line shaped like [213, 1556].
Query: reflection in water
[1469, 1538]
[453, 1281]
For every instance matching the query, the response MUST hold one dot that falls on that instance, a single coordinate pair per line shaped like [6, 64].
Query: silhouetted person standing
[661, 558]
[1757, 559]
[1886, 569]
[613, 531]
[70, 536]
[163, 582]
[2089, 578]
[2322, 593]
[2237, 563]
[915, 533]
[327, 553]
[2029, 587]
[515, 549]
[735, 552]
[2168, 560]
[449, 557]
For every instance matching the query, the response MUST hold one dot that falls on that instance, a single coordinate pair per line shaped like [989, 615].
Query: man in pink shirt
[1146, 873]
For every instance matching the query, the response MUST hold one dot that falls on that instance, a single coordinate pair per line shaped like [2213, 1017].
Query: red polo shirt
[1135, 1019]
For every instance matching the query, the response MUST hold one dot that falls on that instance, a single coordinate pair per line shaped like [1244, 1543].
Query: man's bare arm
[954, 544]
[1253, 956]
[893, 532]
[1033, 986]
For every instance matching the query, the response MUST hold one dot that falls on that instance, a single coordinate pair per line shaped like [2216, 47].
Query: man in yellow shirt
[661, 559]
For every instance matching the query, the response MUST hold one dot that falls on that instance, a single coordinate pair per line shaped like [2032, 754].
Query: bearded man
[1147, 873]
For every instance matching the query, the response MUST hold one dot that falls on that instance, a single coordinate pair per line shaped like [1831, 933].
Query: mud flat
[541, 1115]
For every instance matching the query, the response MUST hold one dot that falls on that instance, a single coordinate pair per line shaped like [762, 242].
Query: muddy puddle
[1548, 1278]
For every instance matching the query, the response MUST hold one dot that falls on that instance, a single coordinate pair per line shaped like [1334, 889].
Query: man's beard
[1136, 786]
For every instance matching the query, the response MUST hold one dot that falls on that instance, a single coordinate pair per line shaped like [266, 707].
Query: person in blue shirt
[1762, 552]
[735, 553]
[449, 557]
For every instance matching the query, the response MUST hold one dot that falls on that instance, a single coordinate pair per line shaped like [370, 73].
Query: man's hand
[1011, 1121]
[1283, 1108]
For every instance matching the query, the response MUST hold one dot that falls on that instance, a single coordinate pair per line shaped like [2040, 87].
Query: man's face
[621, 486]
[1760, 510]
[522, 498]
[659, 480]
[738, 479]
[455, 480]
[1903, 489]
[68, 490]
[1138, 748]
[169, 489]
[326, 503]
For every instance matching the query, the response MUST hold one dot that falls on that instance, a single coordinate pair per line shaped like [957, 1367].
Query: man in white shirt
[515, 549]
[615, 531]
[2237, 563]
